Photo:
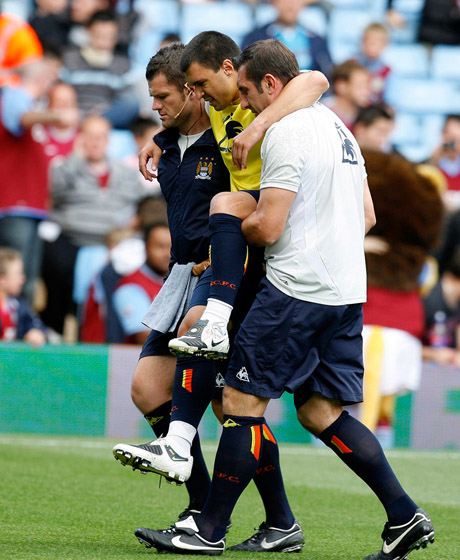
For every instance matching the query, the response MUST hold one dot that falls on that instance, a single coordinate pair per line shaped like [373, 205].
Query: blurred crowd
[84, 244]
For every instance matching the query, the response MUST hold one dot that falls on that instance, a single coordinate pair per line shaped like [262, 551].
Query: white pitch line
[286, 449]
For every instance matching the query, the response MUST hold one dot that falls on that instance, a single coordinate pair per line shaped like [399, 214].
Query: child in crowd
[373, 43]
[17, 320]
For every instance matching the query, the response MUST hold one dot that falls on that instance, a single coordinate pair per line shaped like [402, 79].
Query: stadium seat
[411, 11]
[22, 8]
[347, 26]
[342, 50]
[234, 19]
[445, 62]
[415, 95]
[161, 15]
[121, 144]
[407, 129]
[351, 4]
[313, 18]
[264, 13]
[145, 47]
[417, 153]
[407, 60]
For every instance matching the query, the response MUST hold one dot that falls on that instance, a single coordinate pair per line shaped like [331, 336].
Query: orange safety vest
[18, 44]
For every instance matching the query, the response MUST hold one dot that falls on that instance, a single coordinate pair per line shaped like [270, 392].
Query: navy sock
[237, 459]
[159, 419]
[199, 482]
[228, 256]
[269, 482]
[362, 453]
[193, 388]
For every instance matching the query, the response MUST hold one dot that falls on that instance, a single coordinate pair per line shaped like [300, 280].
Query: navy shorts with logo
[286, 344]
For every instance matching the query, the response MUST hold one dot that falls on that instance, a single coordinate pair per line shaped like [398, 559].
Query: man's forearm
[302, 91]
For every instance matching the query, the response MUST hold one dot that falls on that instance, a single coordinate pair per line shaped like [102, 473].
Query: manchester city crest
[204, 168]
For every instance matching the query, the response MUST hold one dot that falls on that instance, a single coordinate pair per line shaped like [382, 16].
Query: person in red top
[447, 158]
[352, 91]
[19, 45]
[23, 165]
[59, 138]
[136, 291]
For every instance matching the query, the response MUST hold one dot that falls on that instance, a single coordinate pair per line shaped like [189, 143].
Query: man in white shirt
[303, 332]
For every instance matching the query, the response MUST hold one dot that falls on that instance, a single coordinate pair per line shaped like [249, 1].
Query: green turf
[67, 499]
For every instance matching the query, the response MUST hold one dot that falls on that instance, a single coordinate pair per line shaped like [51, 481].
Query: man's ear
[270, 82]
[227, 67]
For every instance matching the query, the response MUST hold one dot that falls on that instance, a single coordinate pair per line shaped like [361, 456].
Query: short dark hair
[368, 115]
[152, 227]
[167, 62]
[268, 57]
[210, 49]
[345, 70]
[102, 16]
[140, 125]
[451, 118]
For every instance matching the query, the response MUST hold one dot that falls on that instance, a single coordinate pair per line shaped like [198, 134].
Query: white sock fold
[180, 436]
[217, 310]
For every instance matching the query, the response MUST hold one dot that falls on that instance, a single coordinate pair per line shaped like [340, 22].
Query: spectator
[99, 321]
[58, 138]
[100, 75]
[23, 165]
[352, 91]
[442, 316]
[81, 11]
[143, 129]
[310, 49]
[447, 158]
[19, 45]
[393, 313]
[169, 39]
[374, 42]
[373, 127]
[17, 320]
[91, 195]
[51, 22]
[136, 291]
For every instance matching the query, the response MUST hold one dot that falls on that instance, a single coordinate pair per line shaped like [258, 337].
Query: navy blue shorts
[286, 344]
[157, 344]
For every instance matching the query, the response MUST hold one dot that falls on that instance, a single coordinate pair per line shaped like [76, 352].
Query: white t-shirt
[319, 256]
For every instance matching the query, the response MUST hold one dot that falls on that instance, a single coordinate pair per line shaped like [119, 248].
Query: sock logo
[242, 375]
[152, 420]
[267, 468]
[230, 424]
[223, 283]
[225, 476]
[187, 375]
[220, 381]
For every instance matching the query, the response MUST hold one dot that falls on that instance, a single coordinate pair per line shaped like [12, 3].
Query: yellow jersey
[226, 125]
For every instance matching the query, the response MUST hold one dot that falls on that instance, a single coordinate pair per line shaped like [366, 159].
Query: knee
[221, 203]
[306, 419]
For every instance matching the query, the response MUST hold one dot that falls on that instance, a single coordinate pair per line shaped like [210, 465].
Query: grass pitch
[67, 499]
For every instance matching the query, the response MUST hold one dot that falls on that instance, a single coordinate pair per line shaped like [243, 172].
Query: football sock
[269, 482]
[199, 482]
[237, 459]
[193, 388]
[228, 256]
[159, 419]
[180, 436]
[359, 449]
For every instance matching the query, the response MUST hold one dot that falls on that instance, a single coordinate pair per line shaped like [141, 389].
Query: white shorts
[396, 354]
